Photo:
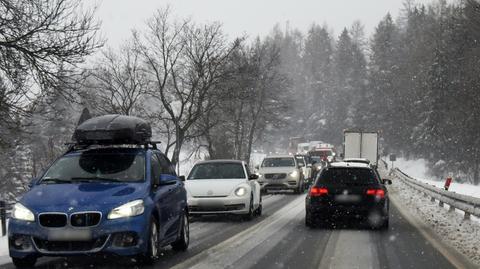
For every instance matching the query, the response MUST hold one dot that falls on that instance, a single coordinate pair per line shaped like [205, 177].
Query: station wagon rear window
[347, 176]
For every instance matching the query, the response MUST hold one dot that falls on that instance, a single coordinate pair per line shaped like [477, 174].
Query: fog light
[128, 239]
[20, 242]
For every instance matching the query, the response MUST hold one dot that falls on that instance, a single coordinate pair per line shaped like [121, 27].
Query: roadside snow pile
[462, 234]
[415, 168]
[418, 170]
[3, 246]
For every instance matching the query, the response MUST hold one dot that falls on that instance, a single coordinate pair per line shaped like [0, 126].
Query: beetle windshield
[217, 171]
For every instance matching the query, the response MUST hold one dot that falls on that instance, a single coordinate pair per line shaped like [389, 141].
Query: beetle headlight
[20, 212]
[240, 191]
[130, 209]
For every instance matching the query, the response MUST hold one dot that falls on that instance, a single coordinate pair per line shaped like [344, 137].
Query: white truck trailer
[360, 144]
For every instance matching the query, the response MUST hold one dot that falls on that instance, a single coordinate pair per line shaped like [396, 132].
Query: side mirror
[182, 178]
[166, 179]
[32, 182]
[253, 177]
[334, 154]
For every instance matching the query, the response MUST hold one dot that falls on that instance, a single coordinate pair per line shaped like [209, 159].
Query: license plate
[70, 235]
[348, 198]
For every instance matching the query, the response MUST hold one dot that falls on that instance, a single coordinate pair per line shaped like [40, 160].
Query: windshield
[347, 176]
[97, 166]
[278, 162]
[217, 171]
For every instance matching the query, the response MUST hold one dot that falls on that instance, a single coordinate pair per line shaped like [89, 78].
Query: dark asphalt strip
[301, 247]
[403, 246]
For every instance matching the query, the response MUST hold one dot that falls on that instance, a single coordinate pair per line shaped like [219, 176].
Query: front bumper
[218, 205]
[124, 237]
[288, 183]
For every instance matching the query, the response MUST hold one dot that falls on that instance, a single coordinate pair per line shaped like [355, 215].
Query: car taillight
[379, 193]
[316, 191]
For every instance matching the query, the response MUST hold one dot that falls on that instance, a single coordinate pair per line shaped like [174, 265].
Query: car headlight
[294, 173]
[130, 209]
[240, 191]
[20, 212]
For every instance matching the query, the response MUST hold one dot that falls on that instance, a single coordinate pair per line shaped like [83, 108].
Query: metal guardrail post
[3, 218]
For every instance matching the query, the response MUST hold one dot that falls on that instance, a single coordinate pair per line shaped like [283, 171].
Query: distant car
[356, 160]
[345, 190]
[307, 169]
[103, 197]
[281, 172]
[325, 154]
[223, 187]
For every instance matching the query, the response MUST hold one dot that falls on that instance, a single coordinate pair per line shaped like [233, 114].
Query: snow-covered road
[279, 239]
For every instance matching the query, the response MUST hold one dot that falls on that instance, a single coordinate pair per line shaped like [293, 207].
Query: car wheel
[258, 211]
[28, 262]
[385, 224]
[184, 238]
[309, 221]
[151, 254]
[249, 215]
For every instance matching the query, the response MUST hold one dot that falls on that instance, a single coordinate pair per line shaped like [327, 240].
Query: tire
[309, 220]
[28, 262]
[184, 238]
[258, 211]
[151, 254]
[249, 216]
[385, 224]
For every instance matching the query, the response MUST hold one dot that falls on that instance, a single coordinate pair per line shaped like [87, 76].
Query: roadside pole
[3, 218]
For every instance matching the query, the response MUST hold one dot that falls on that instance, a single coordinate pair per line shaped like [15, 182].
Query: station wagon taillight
[379, 193]
[316, 191]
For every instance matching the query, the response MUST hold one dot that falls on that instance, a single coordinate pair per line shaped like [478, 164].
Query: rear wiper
[92, 179]
[55, 180]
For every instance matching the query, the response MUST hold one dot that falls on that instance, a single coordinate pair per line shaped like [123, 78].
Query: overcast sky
[250, 17]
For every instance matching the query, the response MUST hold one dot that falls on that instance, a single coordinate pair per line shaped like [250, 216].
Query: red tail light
[376, 192]
[316, 191]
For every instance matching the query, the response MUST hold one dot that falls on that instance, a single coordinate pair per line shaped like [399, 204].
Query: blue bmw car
[120, 200]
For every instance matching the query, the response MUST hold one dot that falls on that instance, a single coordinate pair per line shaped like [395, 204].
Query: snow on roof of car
[347, 164]
[220, 161]
[280, 156]
[356, 160]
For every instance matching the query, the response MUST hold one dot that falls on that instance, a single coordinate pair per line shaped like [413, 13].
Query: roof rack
[74, 145]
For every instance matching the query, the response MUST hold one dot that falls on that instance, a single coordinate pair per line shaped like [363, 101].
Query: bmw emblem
[70, 209]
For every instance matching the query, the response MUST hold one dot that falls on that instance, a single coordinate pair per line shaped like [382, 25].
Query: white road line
[225, 254]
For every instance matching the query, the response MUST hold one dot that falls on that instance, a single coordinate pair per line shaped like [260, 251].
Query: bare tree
[41, 42]
[186, 62]
[120, 81]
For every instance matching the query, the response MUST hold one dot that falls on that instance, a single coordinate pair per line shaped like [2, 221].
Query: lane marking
[233, 249]
[452, 255]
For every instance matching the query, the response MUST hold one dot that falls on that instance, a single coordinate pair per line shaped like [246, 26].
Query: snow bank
[418, 170]
[462, 234]
[3, 246]
[415, 168]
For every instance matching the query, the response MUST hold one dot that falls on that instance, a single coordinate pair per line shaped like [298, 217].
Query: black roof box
[113, 129]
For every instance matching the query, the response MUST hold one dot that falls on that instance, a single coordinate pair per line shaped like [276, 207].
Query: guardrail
[469, 205]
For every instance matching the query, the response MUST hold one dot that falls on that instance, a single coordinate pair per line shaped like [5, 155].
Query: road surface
[279, 239]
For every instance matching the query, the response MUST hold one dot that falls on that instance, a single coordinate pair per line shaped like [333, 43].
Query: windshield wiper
[95, 179]
[55, 180]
